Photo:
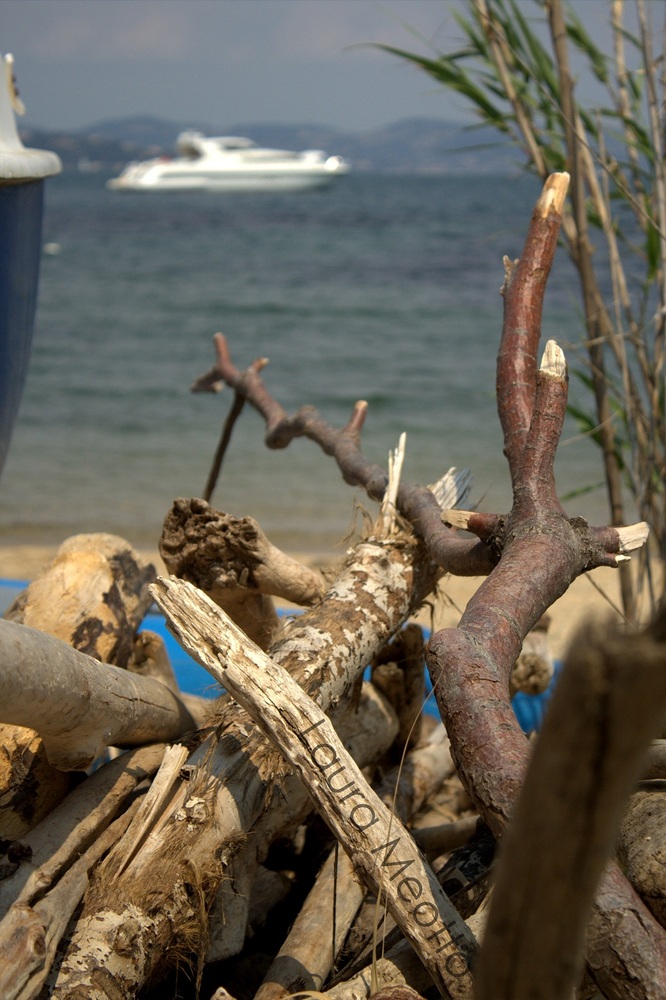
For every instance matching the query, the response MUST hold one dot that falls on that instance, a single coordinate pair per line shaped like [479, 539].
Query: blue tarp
[191, 677]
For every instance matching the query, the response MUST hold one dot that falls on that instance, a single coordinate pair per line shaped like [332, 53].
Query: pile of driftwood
[309, 830]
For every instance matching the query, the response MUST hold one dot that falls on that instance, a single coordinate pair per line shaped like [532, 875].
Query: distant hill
[411, 146]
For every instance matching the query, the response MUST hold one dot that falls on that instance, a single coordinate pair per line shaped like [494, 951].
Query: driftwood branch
[368, 731]
[36, 862]
[214, 551]
[77, 705]
[232, 561]
[609, 702]
[235, 792]
[541, 553]
[381, 849]
[417, 503]
[46, 874]
[304, 962]
[92, 596]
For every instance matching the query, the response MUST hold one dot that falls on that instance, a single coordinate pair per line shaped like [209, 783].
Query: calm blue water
[381, 288]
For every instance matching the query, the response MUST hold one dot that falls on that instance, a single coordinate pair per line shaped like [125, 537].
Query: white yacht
[228, 163]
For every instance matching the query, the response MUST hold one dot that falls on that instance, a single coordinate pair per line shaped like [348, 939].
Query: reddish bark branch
[609, 702]
[543, 551]
[462, 556]
[523, 292]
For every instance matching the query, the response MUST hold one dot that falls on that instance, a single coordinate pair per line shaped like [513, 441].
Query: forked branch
[418, 504]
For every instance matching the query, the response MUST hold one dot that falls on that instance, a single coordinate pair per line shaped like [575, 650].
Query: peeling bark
[374, 838]
[234, 786]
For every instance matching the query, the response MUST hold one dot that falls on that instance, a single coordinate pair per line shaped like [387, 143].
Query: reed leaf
[514, 71]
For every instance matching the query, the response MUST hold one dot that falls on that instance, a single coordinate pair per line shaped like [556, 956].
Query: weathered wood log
[368, 732]
[35, 863]
[465, 877]
[29, 786]
[610, 699]
[77, 705]
[47, 873]
[397, 993]
[308, 953]
[642, 846]
[304, 960]
[151, 659]
[234, 780]
[31, 935]
[437, 840]
[221, 550]
[232, 561]
[93, 596]
[398, 966]
[94, 941]
[367, 830]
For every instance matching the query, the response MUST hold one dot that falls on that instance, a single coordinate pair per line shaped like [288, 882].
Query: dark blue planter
[20, 252]
[22, 173]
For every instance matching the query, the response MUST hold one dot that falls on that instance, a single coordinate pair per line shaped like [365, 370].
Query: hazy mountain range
[411, 146]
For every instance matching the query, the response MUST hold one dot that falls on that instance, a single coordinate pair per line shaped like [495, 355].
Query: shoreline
[594, 594]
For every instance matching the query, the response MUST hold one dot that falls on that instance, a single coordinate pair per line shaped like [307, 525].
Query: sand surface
[594, 594]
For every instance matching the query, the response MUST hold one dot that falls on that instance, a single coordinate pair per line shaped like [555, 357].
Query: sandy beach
[594, 594]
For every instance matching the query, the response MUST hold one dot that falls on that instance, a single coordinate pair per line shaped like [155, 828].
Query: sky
[81, 62]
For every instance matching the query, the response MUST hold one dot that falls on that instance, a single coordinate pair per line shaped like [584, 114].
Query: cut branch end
[457, 518]
[553, 361]
[633, 536]
[553, 195]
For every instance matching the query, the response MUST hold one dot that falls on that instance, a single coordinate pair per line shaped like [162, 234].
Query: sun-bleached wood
[92, 596]
[304, 960]
[52, 873]
[367, 732]
[77, 705]
[367, 830]
[29, 936]
[52, 846]
[232, 560]
[327, 649]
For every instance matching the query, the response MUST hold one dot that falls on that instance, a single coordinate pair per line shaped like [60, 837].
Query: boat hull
[21, 208]
[216, 182]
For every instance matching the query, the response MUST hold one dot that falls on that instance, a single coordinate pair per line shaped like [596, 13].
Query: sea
[382, 288]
